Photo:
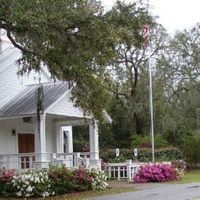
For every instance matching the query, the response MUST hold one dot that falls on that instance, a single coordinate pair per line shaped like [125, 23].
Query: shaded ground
[120, 184]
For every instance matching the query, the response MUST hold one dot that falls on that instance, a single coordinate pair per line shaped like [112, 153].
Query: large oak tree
[75, 39]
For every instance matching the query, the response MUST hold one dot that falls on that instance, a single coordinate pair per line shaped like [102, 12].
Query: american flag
[146, 34]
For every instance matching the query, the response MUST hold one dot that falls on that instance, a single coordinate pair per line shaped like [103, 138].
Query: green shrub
[99, 179]
[160, 142]
[54, 181]
[32, 183]
[144, 155]
[6, 176]
[62, 179]
[145, 141]
[180, 166]
[65, 180]
[191, 148]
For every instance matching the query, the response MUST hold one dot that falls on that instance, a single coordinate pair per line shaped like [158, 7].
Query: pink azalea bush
[64, 180]
[6, 175]
[156, 173]
[5, 182]
[53, 181]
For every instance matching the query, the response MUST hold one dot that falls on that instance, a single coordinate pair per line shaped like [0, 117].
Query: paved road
[159, 192]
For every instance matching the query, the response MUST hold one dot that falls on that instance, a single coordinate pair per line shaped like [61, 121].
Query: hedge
[144, 155]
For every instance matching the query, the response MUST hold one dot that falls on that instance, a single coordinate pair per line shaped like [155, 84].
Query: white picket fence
[126, 170]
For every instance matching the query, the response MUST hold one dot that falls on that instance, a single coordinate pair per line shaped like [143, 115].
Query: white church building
[34, 139]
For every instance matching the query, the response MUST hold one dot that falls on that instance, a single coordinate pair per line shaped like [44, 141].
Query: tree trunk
[138, 125]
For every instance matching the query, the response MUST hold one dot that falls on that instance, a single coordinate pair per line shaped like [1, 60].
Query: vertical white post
[70, 140]
[151, 112]
[40, 142]
[58, 138]
[94, 140]
[94, 144]
[118, 173]
[128, 168]
[109, 172]
[43, 136]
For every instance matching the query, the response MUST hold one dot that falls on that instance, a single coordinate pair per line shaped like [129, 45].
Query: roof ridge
[47, 83]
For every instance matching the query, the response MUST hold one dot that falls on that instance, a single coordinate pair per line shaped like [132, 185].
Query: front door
[26, 144]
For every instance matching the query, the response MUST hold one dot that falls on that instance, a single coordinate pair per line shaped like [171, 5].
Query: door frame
[26, 163]
[25, 132]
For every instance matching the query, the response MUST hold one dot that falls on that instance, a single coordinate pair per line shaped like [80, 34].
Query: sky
[173, 14]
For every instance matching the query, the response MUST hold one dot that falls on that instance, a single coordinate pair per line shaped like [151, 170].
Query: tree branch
[17, 45]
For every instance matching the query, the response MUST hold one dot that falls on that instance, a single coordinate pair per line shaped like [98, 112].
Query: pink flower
[156, 173]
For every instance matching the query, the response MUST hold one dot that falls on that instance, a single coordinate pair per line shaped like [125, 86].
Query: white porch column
[58, 138]
[94, 144]
[40, 143]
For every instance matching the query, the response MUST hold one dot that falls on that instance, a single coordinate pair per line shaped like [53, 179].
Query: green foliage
[31, 183]
[191, 148]
[54, 181]
[107, 137]
[104, 55]
[6, 189]
[62, 179]
[128, 82]
[144, 155]
[71, 38]
[142, 142]
[80, 137]
[76, 40]
[120, 125]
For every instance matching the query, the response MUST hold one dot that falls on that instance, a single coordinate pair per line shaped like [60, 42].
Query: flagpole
[151, 112]
[146, 41]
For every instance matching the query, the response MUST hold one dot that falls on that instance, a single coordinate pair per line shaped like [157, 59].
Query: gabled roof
[25, 102]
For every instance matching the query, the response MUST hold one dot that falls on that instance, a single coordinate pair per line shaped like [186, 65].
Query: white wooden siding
[65, 108]
[9, 143]
[10, 83]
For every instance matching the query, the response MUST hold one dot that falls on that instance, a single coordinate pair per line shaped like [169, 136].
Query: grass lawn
[191, 177]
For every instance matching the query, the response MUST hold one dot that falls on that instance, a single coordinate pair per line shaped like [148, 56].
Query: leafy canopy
[75, 39]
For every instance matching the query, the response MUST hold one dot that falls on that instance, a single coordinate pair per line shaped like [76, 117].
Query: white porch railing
[28, 160]
[71, 159]
[125, 170]
[17, 161]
